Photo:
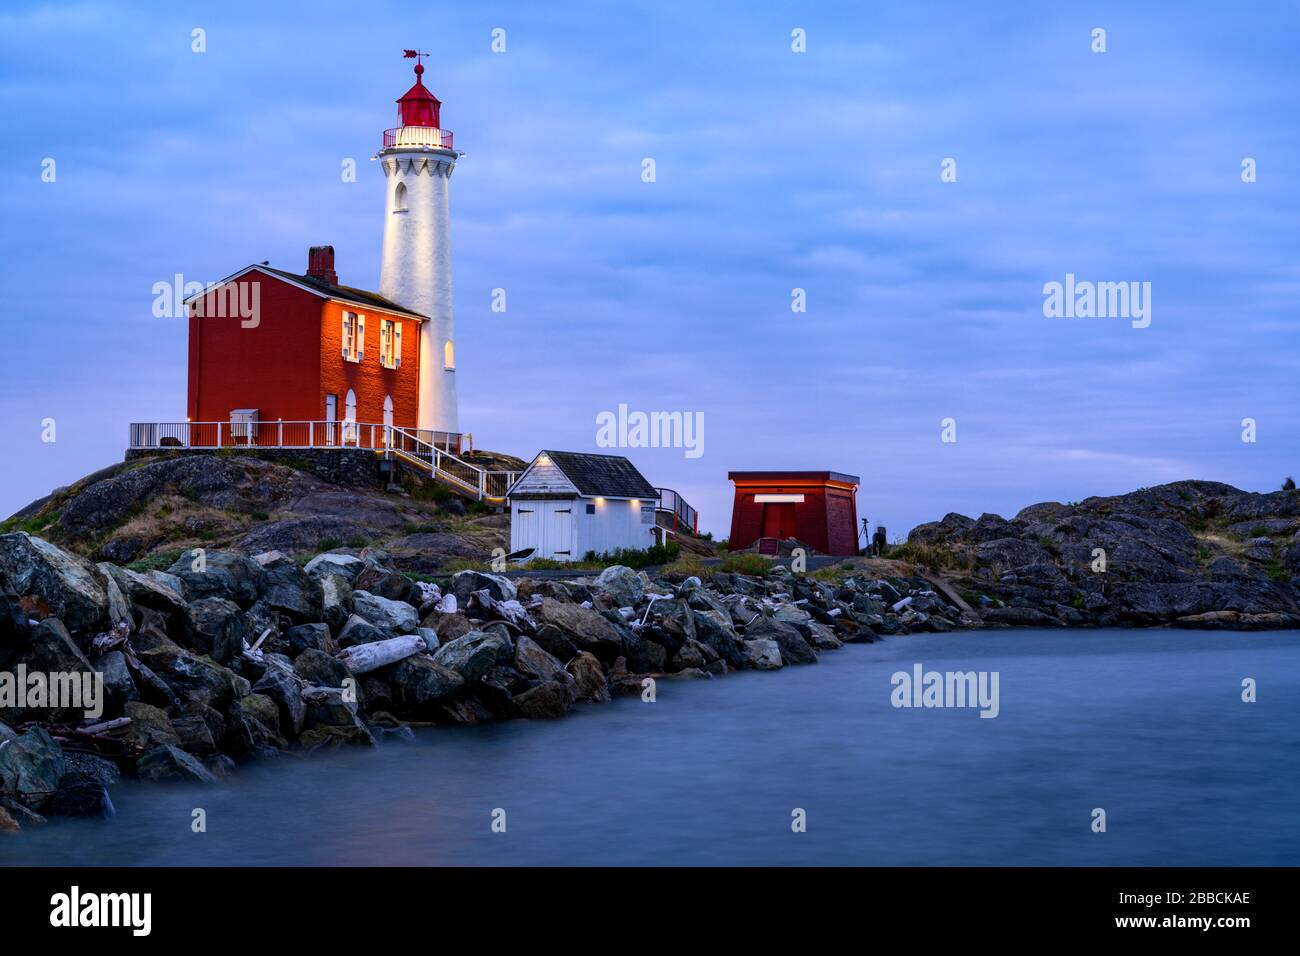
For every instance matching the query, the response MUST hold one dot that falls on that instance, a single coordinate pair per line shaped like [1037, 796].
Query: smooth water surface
[1148, 725]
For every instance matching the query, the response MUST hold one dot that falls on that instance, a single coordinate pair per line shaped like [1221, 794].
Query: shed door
[545, 526]
[525, 529]
[778, 520]
[558, 533]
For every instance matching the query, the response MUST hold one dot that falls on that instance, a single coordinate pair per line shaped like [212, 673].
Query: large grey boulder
[382, 612]
[331, 563]
[150, 726]
[532, 661]
[222, 574]
[763, 655]
[31, 764]
[794, 649]
[420, 685]
[473, 655]
[589, 681]
[80, 796]
[217, 627]
[588, 630]
[315, 636]
[170, 764]
[289, 590]
[546, 701]
[160, 592]
[194, 678]
[336, 598]
[465, 583]
[714, 629]
[358, 630]
[625, 586]
[46, 648]
[320, 670]
[55, 583]
[281, 684]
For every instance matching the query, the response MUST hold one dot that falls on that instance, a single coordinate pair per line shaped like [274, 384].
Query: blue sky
[775, 170]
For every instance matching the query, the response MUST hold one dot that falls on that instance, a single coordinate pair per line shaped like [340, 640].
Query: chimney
[320, 264]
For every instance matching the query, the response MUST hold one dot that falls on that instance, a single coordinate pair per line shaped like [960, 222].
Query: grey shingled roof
[345, 292]
[611, 476]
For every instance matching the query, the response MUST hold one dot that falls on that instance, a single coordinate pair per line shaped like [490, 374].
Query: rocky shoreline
[224, 658]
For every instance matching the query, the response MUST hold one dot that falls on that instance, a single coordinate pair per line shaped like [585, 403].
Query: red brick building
[267, 345]
[817, 507]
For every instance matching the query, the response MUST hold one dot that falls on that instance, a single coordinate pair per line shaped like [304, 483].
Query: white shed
[566, 504]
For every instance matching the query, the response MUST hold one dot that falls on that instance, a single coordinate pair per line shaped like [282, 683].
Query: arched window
[399, 198]
[350, 417]
[449, 355]
[388, 417]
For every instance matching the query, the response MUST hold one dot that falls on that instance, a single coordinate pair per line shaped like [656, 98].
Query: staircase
[471, 481]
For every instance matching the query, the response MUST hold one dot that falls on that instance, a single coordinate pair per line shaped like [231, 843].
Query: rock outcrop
[1191, 553]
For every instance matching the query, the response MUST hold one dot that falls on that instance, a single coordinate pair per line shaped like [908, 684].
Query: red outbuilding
[817, 507]
[270, 347]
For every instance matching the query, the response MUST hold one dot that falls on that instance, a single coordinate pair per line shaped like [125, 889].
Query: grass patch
[462, 564]
[930, 555]
[422, 578]
[157, 562]
[427, 527]
[634, 558]
[834, 573]
[32, 525]
[753, 564]
[545, 564]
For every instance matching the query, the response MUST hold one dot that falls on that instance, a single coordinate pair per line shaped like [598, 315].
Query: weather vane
[414, 54]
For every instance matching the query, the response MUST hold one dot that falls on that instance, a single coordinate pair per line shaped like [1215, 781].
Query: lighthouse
[417, 158]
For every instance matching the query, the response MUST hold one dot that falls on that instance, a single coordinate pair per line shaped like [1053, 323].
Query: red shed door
[778, 520]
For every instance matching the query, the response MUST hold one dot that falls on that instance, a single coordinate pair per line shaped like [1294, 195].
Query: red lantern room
[418, 106]
[420, 115]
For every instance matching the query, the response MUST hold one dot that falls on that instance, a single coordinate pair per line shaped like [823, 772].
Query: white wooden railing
[435, 452]
[260, 434]
[471, 479]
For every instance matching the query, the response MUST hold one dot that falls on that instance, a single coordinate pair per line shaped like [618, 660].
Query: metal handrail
[675, 505]
[403, 136]
[483, 484]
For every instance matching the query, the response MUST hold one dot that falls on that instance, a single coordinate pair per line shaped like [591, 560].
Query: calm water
[1148, 725]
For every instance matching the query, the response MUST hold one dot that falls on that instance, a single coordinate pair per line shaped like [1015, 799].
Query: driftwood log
[362, 658]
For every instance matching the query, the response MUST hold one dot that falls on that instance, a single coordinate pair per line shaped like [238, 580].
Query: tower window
[449, 355]
[399, 198]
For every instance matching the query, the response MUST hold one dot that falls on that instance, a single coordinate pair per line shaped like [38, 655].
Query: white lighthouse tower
[418, 158]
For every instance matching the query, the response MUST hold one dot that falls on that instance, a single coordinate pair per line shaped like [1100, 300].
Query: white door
[544, 526]
[525, 528]
[331, 416]
[558, 533]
